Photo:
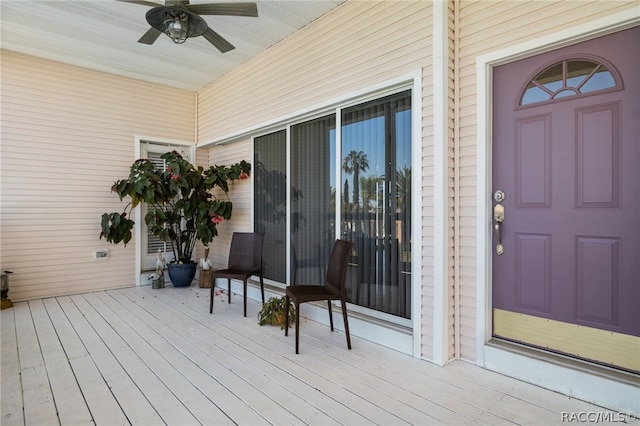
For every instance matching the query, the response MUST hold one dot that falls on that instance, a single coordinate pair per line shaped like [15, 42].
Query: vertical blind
[376, 208]
[312, 199]
[372, 182]
[270, 201]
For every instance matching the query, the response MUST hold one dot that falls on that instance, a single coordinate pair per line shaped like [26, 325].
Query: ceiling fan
[180, 20]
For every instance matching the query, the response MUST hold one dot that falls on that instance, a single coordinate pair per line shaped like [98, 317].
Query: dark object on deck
[333, 289]
[245, 260]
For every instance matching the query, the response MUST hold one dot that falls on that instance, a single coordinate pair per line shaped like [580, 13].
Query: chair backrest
[246, 250]
[338, 262]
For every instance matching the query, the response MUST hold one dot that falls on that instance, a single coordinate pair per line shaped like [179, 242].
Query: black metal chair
[245, 260]
[332, 289]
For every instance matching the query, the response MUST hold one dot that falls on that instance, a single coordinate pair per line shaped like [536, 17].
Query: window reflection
[600, 80]
[566, 79]
[551, 78]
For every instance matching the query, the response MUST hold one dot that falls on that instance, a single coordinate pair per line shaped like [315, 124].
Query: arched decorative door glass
[570, 77]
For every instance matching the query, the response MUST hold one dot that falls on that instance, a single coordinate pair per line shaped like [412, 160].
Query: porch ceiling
[102, 35]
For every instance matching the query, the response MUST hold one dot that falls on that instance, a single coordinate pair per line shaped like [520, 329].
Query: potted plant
[181, 207]
[273, 310]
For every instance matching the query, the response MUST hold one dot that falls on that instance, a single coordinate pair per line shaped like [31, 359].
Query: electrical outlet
[101, 254]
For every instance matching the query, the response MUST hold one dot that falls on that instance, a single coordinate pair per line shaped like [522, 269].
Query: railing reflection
[380, 274]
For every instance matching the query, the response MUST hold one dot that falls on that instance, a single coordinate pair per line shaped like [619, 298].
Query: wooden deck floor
[150, 357]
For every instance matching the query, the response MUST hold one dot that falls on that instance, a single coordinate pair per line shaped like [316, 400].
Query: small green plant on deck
[273, 312]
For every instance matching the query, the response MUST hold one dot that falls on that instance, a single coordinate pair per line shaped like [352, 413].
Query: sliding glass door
[270, 201]
[305, 172]
[376, 202]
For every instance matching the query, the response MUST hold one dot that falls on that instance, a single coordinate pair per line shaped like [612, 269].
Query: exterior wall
[485, 27]
[67, 135]
[354, 47]
[240, 193]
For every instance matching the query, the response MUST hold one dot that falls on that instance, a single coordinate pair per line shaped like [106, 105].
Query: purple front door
[566, 160]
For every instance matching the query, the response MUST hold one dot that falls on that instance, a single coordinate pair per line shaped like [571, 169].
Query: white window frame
[140, 275]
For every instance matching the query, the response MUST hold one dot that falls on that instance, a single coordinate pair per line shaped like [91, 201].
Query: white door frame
[137, 228]
[580, 384]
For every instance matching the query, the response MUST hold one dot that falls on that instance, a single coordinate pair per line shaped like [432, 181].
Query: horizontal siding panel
[241, 195]
[307, 51]
[317, 63]
[67, 134]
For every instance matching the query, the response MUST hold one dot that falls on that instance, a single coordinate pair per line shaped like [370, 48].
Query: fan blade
[150, 36]
[143, 2]
[229, 9]
[218, 41]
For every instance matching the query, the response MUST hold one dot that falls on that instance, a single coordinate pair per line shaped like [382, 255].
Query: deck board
[69, 401]
[313, 381]
[10, 386]
[130, 398]
[39, 406]
[160, 337]
[212, 360]
[132, 331]
[100, 402]
[142, 356]
[244, 378]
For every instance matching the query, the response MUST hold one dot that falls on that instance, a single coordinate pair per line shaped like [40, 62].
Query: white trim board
[441, 178]
[597, 389]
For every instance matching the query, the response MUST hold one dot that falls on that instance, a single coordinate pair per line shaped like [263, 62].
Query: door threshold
[600, 385]
[565, 361]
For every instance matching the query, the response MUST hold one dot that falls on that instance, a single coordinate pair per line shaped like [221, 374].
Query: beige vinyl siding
[354, 46]
[485, 27]
[67, 134]
[427, 214]
[240, 194]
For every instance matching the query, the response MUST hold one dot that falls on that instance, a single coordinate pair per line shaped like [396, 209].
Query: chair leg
[244, 291]
[212, 294]
[229, 289]
[346, 323]
[297, 326]
[262, 287]
[286, 317]
[330, 314]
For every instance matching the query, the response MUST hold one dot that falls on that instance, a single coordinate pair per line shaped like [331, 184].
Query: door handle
[498, 218]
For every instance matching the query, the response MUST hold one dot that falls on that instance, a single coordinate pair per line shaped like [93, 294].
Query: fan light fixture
[177, 28]
[180, 20]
